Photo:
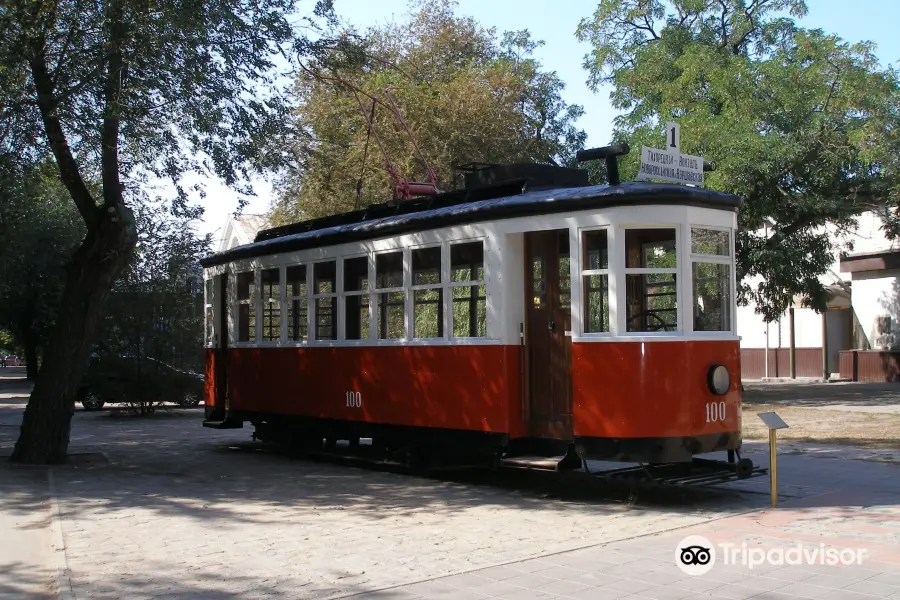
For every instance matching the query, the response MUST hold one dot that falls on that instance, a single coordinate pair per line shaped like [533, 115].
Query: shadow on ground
[813, 395]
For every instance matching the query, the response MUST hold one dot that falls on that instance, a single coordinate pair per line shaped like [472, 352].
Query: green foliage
[465, 93]
[155, 310]
[39, 227]
[799, 123]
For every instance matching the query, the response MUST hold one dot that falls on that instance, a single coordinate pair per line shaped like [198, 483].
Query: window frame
[279, 301]
[442, 286]
[622, 290]
[254, 304]
[377, 292]
[448, 300]
[311, 314]
[580, 273]
[711, 259]
[370, 282]
[287, 300]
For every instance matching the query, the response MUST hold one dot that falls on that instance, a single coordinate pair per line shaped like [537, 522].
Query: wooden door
[548, 343]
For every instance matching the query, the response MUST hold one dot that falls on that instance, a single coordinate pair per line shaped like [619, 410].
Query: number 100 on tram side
[527, 314]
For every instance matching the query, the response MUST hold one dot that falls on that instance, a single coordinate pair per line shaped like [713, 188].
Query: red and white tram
[528, 314]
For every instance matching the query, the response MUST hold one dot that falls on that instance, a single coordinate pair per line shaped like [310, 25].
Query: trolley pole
[774, 423]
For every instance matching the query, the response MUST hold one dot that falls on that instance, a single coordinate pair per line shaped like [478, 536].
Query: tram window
[712, 296]
[427, 295]
[711, 279]
[469, 311]
[271, 305]
[246, 296]
[468, 291]
[297, 311]
[595, 278]
[710, 242]
[467, 262]
[651, 295]
[324, 276]
[389, 270]
[356, 300]
[208, 312]
[391, 299]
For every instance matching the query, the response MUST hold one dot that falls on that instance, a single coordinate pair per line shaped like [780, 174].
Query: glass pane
[538, 282]
[209, 291]
[428, 313]
[391, 315]
[650, 248]
[243, 322]
[271, 323]
[469, 311]
[325, 326]
[297, 321]
[596, 250]
[467, 262]
[356, 274]
[389, 270]
[651, 302]
[324, 274]
[246, 287]
[426, 265]
[271, 285]
[710, 241]
[356, 317]
[210, 326]
[712, 297]
[296, 281]
[565, 280]
[596, 303]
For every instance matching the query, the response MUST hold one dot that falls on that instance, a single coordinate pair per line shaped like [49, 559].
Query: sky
[860, 20]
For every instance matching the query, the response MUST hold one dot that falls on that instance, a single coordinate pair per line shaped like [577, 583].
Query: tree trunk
[44, 435]
[31, 359]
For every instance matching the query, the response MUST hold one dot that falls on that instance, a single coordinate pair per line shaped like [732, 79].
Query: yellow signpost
[774, 423]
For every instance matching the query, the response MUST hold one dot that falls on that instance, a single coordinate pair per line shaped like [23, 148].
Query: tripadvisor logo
[696, 555]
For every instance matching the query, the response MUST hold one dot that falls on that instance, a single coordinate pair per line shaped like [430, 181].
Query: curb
[63, 580]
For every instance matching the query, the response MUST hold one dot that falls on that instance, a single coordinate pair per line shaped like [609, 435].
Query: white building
[240, 230]
[863, 312]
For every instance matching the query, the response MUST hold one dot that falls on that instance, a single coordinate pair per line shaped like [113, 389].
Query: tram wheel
[744, 468]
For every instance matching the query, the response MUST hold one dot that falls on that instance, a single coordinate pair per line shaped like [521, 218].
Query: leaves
[465, 94]
[799, 123]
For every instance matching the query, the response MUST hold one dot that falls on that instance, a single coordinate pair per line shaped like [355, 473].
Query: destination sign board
[670, 165]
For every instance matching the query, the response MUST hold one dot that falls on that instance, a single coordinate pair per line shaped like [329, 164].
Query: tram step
[226, 424]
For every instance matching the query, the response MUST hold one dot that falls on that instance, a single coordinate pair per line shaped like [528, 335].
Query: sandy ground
[859, 414]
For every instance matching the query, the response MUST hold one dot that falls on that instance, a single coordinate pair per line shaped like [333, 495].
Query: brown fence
[753, 366]
[870, 365]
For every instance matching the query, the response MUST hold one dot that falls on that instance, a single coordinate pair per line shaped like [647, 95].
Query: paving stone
[873, 588]
[562, 588]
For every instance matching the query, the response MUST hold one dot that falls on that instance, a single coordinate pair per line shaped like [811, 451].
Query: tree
[465, 93]
[39, 229]
[155, 311]
[799, 123]
[118, 89]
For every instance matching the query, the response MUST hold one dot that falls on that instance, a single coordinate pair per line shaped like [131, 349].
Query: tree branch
[59, 145]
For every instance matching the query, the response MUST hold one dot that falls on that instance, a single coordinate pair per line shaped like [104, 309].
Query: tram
[528, 314]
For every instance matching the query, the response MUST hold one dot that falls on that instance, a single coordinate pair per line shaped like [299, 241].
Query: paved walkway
[171, 510]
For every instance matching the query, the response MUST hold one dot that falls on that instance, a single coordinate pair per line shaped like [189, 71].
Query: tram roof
[463, 207]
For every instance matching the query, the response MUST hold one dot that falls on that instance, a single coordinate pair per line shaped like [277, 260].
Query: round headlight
[719, 380]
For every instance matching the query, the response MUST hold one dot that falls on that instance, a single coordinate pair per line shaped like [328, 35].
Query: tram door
[548, 343]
